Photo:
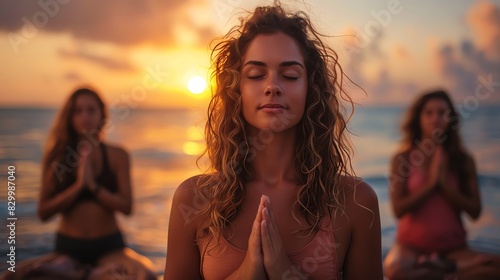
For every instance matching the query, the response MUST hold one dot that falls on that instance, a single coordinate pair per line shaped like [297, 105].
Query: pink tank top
[318, 258]
[435, 225]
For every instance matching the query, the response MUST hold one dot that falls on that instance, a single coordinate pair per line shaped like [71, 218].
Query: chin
[266, 128]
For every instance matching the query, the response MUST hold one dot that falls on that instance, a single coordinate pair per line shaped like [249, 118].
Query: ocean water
[163, 145]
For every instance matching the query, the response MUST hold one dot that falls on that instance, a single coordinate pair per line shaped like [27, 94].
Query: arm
[183, 257]
[122, 199]
[51, 202]
[471, 202]
[364, 256]
[402, 201]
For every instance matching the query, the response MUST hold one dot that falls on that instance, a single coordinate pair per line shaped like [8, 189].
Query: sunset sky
[144, 53]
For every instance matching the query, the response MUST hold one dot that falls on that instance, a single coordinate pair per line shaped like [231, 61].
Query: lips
[272, 106]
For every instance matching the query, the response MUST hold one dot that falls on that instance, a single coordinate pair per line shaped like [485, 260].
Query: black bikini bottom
[88, 251]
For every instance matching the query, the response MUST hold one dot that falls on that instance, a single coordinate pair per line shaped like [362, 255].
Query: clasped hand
[439, 169]
[85, 177]
[266, 256]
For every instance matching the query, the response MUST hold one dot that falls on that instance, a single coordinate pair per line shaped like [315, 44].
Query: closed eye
[255, 77]
[291, 78]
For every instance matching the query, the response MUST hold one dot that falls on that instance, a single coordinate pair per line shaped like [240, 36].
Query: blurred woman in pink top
[433, 181]
[279, 200]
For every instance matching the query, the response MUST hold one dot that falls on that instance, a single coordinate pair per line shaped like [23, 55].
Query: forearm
[60, 202]
[462, 202]
[411, 201]
[113, 201]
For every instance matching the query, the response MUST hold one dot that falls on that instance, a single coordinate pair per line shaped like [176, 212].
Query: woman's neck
[274, 152]
[93, 139]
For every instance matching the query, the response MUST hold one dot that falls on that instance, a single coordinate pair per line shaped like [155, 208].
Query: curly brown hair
[322, 147]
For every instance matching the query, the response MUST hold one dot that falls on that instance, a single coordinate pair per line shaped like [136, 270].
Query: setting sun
[197, 85]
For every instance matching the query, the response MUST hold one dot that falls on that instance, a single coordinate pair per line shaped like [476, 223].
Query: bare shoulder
[188, 189]
[357, 190]
[188, 199]
[361, 202]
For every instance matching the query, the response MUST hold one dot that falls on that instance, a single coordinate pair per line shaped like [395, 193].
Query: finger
[270, 210]
[273, 226]
[272, 229]
[267, 244]
[440, 154]
[255, 237]
[258, 216]
[82, 158]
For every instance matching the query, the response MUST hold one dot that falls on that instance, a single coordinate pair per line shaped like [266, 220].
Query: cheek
[248, 100]
[424, 119]
[422, 124]
[299, 108]
[96, 117]
[298, 100]
[76, 120]
[248, 90]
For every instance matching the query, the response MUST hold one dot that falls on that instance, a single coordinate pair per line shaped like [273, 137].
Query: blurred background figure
[433, 180]
[87, 181]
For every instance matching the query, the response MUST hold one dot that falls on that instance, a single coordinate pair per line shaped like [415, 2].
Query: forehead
[86, 100]
[275, 47]
[435, 103]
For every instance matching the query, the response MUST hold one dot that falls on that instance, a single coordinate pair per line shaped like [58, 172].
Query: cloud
[122, 22]
[472, 67]
[402, 52]
[452, 68]
[367, 66]
[469, 69]
[465, 68]
[108, 62]
[484, 19]
[386, 89]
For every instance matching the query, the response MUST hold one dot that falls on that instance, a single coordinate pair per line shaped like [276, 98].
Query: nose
[437, 118]
[273, 87]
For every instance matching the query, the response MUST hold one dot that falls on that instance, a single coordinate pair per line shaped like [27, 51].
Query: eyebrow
[282, 64]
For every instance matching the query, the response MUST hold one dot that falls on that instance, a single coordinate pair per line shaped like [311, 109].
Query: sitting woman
[434, 181]
[279, 202]
[87, 181]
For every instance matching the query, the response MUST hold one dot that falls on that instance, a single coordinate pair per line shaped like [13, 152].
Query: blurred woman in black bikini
[89, 243]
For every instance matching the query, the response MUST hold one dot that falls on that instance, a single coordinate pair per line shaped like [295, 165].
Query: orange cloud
[108, 62]
[122, 22]
[401, 52]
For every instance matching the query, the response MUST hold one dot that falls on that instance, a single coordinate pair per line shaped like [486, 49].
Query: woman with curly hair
[279, 201]
[434, 181]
